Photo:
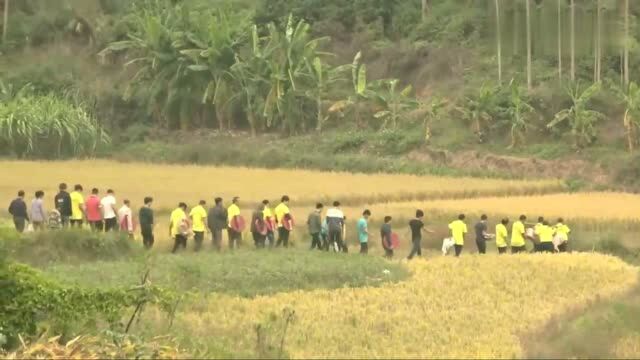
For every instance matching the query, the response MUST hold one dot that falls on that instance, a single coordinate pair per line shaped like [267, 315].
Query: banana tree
[631, 119]
[581, 119]
[518, 115]
[480, 109]
[323, 77]
[361, 91]
[434, 111]
[395, 103]
[291, 49]
[217, 39]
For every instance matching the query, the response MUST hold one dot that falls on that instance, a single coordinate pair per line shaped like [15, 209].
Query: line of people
[326, 233]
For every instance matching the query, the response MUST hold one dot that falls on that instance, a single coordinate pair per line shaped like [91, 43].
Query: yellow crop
[450, 308]
[628, 347]
[596, 206]
[170, 184]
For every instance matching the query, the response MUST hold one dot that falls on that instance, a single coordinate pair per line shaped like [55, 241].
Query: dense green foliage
[46, 125]
[243, 273]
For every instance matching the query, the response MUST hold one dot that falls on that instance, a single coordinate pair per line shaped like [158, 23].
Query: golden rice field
[472, 307]
[600, 206]
[627, 347]
[170, 184]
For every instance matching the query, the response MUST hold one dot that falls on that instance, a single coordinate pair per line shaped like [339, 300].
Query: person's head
[218, 200]
[62, 186]
[541, 219]
[336, 203]
[94, 191]
[285, 199]
[505, 221]
[236, 200]
[560, 220]
[182, 206]
[483, 217]
[39, 194]
[127, 202]
[78, 187]
[419, 214]
[265, 202]
[319, 206]
[202, 203]
[110, 192]
[461, 217]
[21, 193]
[387, 219]
[366, 214]
[523, 217]
[148, 200]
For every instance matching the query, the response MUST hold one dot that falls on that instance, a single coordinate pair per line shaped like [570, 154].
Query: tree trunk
[220, 116]
[252, 122]
[320, 115]
[5, 24]
[598, 43]
[499, 41]
[630, 135]
[425, 9]
[560, 40]
[528, 12]
[573, 40]
[626, 43]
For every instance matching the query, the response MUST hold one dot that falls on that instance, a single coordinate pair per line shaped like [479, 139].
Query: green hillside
[496, 88]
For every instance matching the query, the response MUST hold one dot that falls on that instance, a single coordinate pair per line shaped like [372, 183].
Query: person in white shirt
[109, 211]
[335, 222]
[125, 218]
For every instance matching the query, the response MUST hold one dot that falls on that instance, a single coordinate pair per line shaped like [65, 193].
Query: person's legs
[256, 239]
[547, 247]
[563, 247]
[232, 238]
[285, 241]
[216, 238]
[176, 244]
[19, 223]
[414, 250]
[110, 224]
[37, 225]
[280, 236]
[458, 249]
[270, 238]
[198, 238]
[76, 223]
[315, 241]
[364, 248]
[388, 253]
[482, 246]
[64, 221]
[502, 250]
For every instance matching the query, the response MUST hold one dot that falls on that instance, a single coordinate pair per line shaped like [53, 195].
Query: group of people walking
[326, 232]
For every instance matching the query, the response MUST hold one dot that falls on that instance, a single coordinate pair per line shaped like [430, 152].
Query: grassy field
[170, 184]
[449, 308]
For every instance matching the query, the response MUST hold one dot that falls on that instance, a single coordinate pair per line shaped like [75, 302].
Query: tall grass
[48, 126]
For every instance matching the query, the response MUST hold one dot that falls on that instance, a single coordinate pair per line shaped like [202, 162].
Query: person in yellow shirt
[77, 207]
[235, 237]
[270, 222]
[517, 236]
[562, 233]
[545, 234]
[536, 241]
[283, 214]
[198, 217]
[458, 231]
[501, 236]
[179, 227]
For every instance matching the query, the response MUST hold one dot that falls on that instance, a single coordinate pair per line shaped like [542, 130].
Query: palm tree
[580, 118]
[560, 40]
[324, 77]
[573, 40]
[518, 111]
[5, 24]
[498, 41]
[630, 97]
[395, 104]
[627, 39]
[528, 12]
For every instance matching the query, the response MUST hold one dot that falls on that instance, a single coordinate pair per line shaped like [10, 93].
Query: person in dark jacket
[258, 227]
[18, 209]
[63, 204]
[217, 221]
[145, 217]
[314, 223]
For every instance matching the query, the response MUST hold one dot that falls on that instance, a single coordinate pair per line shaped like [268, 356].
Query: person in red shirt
[94, 211]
